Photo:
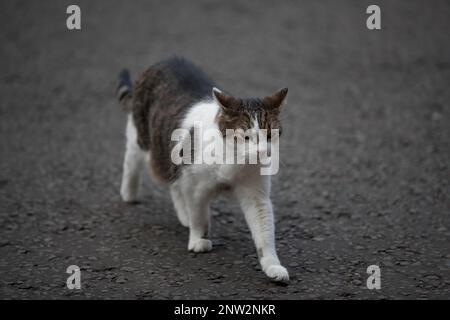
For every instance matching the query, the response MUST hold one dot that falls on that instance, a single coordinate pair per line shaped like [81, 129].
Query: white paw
[127, 195]
[200, 245]
[277, 273]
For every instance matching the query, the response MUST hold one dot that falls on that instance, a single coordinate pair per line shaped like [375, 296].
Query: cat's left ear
[277, 99]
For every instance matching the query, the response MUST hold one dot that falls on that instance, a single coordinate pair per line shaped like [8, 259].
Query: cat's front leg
[179, 204]
[197, 202]
[257, 207]
[199, 228]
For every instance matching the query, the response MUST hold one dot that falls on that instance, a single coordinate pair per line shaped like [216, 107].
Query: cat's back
[162, 97]
[173, 79]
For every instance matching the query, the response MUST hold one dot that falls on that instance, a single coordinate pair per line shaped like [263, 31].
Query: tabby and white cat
[176, 94]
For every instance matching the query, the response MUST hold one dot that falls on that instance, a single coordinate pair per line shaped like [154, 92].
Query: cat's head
[250, 115]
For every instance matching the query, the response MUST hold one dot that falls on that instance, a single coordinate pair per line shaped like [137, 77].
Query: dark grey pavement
[365, 151]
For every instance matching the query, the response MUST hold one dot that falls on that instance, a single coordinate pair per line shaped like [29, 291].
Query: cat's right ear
[226, 102]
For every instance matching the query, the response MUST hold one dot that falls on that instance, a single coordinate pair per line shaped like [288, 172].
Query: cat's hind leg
[132, 165]
[179, 204]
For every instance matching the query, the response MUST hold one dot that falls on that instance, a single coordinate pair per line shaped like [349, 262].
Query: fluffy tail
[124, 90]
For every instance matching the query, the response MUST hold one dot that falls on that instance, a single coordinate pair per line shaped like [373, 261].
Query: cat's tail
[124, 91]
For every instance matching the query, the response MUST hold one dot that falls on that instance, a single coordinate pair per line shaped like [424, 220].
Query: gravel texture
[365, 151]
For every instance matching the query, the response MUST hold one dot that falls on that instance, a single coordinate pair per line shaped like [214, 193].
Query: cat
[174, 94]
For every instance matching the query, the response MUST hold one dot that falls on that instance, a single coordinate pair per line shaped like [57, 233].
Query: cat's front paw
[277, 273]
[128, 196]
[200, 245]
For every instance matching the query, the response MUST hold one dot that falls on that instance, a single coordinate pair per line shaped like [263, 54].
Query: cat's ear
[225, 101]
[277, 99]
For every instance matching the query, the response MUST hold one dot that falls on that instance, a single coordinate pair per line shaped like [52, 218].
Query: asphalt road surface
[365, 149]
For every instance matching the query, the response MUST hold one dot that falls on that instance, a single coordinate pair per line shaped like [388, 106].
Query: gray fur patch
[162, 96]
